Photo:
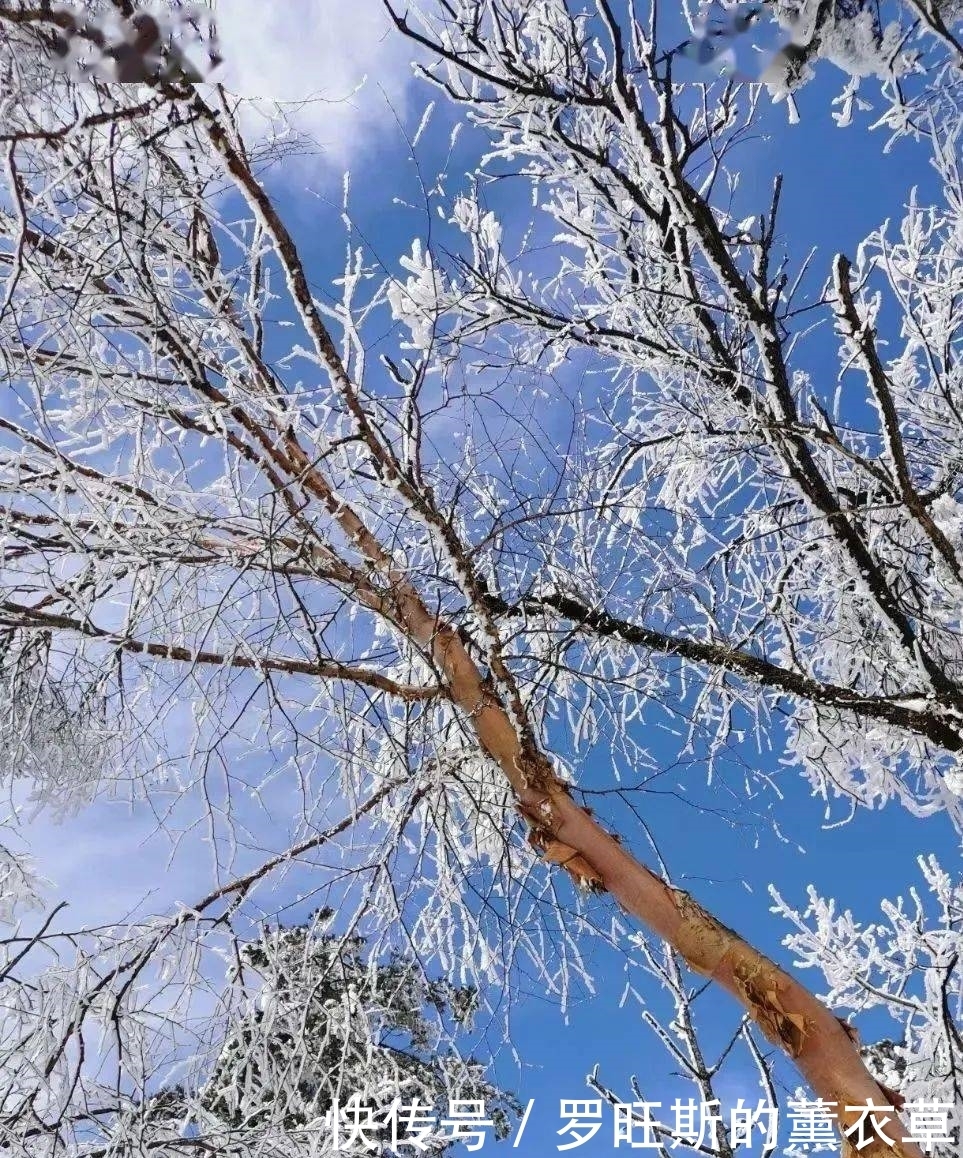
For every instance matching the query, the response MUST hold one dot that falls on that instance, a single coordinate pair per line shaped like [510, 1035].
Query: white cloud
[110, 860]
[341, 56]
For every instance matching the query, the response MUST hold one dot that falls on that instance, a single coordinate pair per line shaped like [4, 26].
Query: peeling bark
[789, 1016]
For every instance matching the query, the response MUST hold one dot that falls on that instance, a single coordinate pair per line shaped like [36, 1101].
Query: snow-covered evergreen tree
[327, 1027]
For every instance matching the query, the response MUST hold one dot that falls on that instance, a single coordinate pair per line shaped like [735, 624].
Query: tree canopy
[440, 558]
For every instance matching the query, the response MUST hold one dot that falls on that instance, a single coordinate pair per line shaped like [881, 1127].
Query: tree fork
[786, 1012]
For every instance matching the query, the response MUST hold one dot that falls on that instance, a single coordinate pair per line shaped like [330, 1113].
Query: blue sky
[838, 187]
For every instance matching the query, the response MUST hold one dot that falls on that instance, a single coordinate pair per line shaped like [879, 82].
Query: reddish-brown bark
[786, 1012]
